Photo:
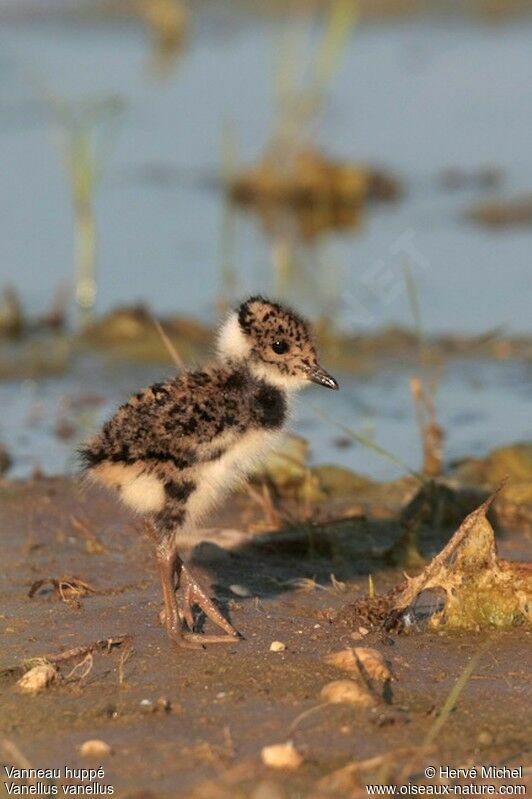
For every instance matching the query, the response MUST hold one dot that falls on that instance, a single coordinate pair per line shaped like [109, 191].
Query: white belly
[218, 477]
[143, 493]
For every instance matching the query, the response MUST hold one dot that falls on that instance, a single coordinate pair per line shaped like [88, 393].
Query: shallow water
[480, 404]
[417, 97]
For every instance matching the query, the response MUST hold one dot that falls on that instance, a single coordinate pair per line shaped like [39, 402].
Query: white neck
[231, 343]
[275, 378]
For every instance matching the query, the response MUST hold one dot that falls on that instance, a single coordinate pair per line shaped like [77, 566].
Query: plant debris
[68, 589]
[130, 332]
[104, 645]
[502, 213]
[312, 179]
[486, 177]
[434, 505]
[466, 586]
[323, 193]
[476, 589]
[12, 321]
[6, 461]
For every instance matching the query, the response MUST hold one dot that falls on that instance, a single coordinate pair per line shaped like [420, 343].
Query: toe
[201, 639]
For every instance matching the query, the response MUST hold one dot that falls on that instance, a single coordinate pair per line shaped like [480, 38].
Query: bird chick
[176, 448]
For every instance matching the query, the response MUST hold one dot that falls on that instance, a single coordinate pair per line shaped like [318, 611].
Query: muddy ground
[192, 724]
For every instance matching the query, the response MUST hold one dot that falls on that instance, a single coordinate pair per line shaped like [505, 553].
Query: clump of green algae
[480, 589]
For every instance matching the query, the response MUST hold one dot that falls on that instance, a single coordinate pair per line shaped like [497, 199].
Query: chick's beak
[322, 378]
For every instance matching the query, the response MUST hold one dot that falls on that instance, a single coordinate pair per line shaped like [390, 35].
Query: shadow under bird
[176, 448]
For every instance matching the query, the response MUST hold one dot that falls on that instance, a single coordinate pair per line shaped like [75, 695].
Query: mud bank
[194, 723]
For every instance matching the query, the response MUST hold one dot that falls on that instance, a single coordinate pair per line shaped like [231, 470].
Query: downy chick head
[276, 344]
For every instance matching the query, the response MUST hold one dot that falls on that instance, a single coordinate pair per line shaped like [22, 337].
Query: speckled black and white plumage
[165, 449]
[173, 450]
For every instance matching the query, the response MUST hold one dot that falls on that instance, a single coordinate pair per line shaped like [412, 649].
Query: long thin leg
[194, 593]
[171, 568]
[169, 562]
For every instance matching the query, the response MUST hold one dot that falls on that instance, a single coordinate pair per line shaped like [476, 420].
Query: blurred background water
[420, 96]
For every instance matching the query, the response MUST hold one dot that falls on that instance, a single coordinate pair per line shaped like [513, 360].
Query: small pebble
[363, 630]
[281, 756]
[146, 705]
[347, 691]
[277, 646]
[361, 660]
[240, 590]
[95, 748]
[163, 704]
[38, 678]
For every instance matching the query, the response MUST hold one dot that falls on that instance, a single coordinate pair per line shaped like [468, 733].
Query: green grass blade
[453, 696]
[367, 442]
[342, 19]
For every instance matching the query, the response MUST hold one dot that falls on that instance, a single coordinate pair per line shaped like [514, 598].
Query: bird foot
[191, 640]
[201, 638]
[193, 593]
[181, 639]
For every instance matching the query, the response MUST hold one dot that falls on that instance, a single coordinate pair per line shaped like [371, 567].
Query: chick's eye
[280, 347]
